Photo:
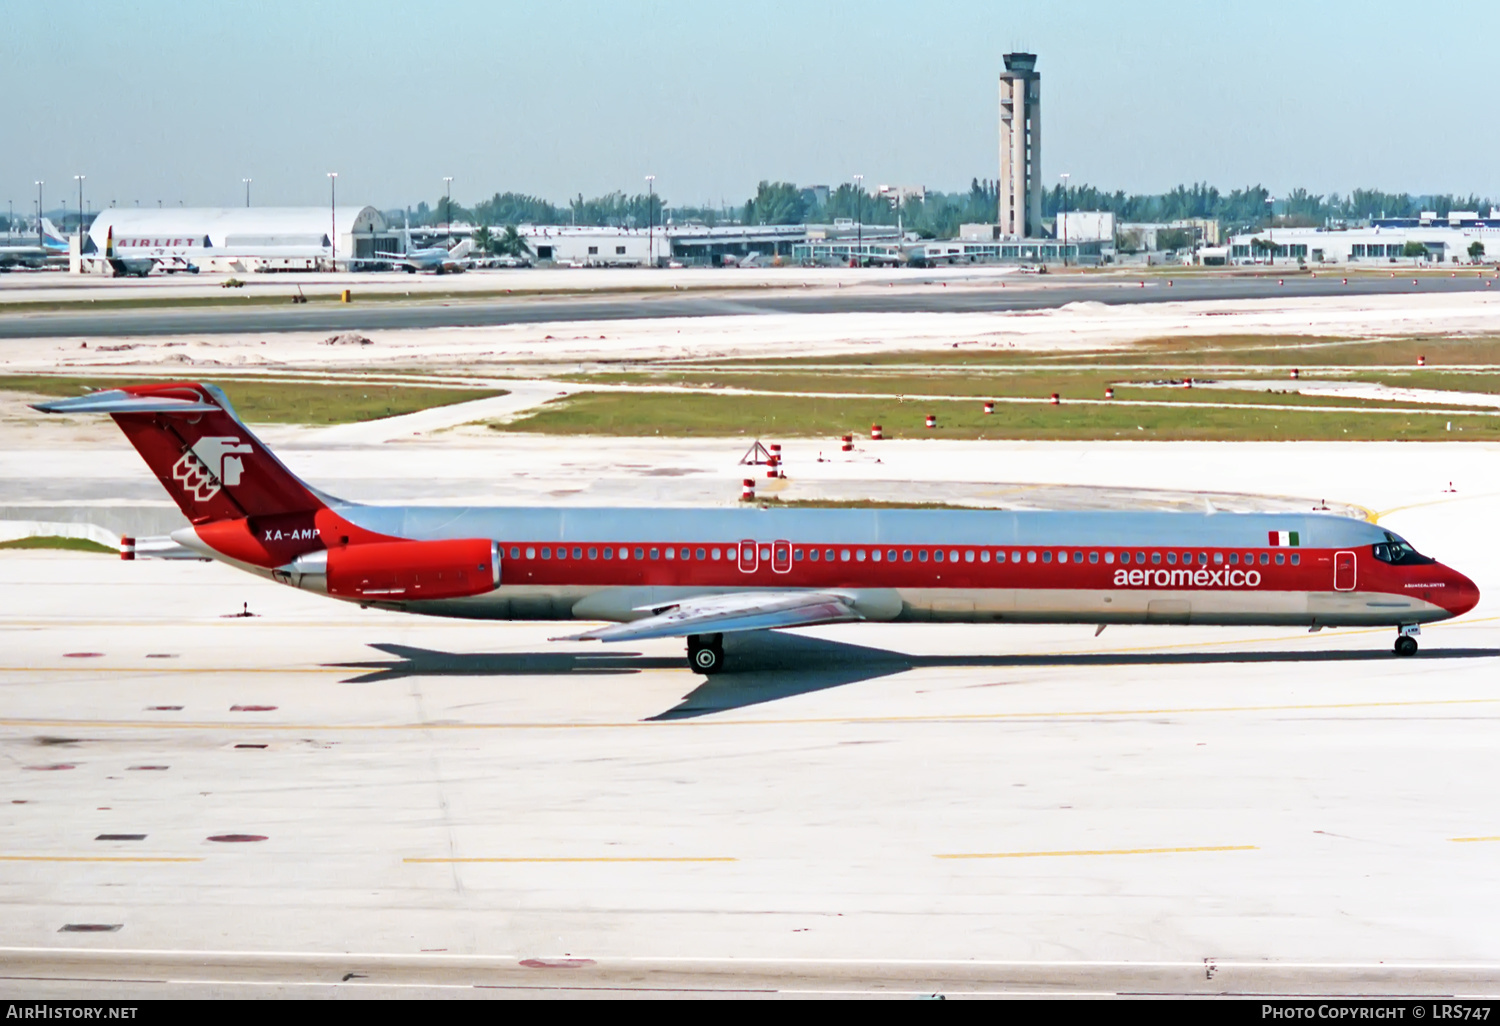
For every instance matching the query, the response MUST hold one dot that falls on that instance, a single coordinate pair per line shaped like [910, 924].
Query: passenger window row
[623, 552]
[830, 555]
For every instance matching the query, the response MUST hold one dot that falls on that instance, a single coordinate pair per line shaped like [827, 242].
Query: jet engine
[398, 571]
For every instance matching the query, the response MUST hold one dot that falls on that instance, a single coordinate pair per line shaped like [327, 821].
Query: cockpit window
[1398, 552]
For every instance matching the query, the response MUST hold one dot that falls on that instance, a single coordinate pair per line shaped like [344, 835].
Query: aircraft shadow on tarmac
[767, 666]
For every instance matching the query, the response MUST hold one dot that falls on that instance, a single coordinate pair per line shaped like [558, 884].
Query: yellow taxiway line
[1094, 851]
[93, 858]
[1433, 502]
[1466, 840]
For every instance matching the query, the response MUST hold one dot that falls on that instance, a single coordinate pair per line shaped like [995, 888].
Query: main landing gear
[1406, 642]
[706, 652]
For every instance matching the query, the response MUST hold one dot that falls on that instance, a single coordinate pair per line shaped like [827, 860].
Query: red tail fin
[209, 462]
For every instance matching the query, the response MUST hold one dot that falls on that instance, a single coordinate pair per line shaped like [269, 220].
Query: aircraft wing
[736, 611]
[419, 261]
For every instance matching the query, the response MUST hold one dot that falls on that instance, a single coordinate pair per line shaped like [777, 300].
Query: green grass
[717, 416]
[52, 541]
[1134, 372]
[286, 402]
[973, 352]
[1310, 352]
[1447, 381]
[983, 384]
[1185, 351]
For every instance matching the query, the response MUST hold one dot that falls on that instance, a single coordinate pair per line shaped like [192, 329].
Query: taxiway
[429, 807]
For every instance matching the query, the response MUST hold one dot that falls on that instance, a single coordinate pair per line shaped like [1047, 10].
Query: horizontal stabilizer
[723, 614]
[162, 547]
[115, 400]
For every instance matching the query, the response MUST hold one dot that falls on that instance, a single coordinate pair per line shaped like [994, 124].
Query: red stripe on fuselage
[1084, 568]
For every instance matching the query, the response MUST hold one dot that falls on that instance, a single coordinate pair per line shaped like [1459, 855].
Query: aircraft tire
[707, 659]
[1406, 645]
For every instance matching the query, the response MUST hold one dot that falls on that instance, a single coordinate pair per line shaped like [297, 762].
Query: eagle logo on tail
[211, 463]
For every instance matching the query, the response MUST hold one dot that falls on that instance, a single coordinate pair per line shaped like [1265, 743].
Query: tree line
[939, 214]
[511, 208]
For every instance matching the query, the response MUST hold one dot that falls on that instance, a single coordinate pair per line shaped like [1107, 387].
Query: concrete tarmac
[322, 800]
[319, 799]
[974, 297]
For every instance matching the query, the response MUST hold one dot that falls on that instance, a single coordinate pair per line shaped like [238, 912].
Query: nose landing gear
[706, 652]
[1406, 641]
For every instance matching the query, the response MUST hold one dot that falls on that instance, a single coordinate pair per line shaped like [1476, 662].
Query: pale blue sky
[180, 101]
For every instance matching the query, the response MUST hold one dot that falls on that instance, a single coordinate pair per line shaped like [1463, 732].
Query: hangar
[240, 238]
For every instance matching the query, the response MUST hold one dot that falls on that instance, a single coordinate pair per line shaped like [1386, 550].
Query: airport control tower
[1020, 147]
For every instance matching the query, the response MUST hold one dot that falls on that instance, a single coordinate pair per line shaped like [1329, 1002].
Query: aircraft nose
[1461, 595]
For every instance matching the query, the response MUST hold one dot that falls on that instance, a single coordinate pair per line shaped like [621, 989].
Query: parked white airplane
[49, 246]
[437, 259]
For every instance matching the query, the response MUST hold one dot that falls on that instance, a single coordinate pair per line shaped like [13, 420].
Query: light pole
[651, 219]
[333, 220]
[39, 240]
[79, 180]
[247, 182]
[859, 219]
[1064, 176]
[1271, 229]
[448, 209]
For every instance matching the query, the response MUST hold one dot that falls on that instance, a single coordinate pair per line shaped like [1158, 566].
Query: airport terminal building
[241, 239]
[692, 245]
[808, 244]
[1444, 240]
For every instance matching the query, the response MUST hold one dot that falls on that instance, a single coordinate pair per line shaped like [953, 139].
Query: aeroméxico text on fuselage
[701, 573]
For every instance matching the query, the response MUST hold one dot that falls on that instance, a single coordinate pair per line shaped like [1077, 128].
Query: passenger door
[1344, 571]
[781, 556]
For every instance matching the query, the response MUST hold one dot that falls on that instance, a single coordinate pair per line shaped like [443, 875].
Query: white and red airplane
[702, 573]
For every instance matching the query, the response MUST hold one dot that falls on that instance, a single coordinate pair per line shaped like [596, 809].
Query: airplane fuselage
[436, 260]
[959, 565]
[126, 267]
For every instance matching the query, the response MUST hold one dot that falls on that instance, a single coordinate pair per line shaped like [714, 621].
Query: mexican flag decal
[1284, 538]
